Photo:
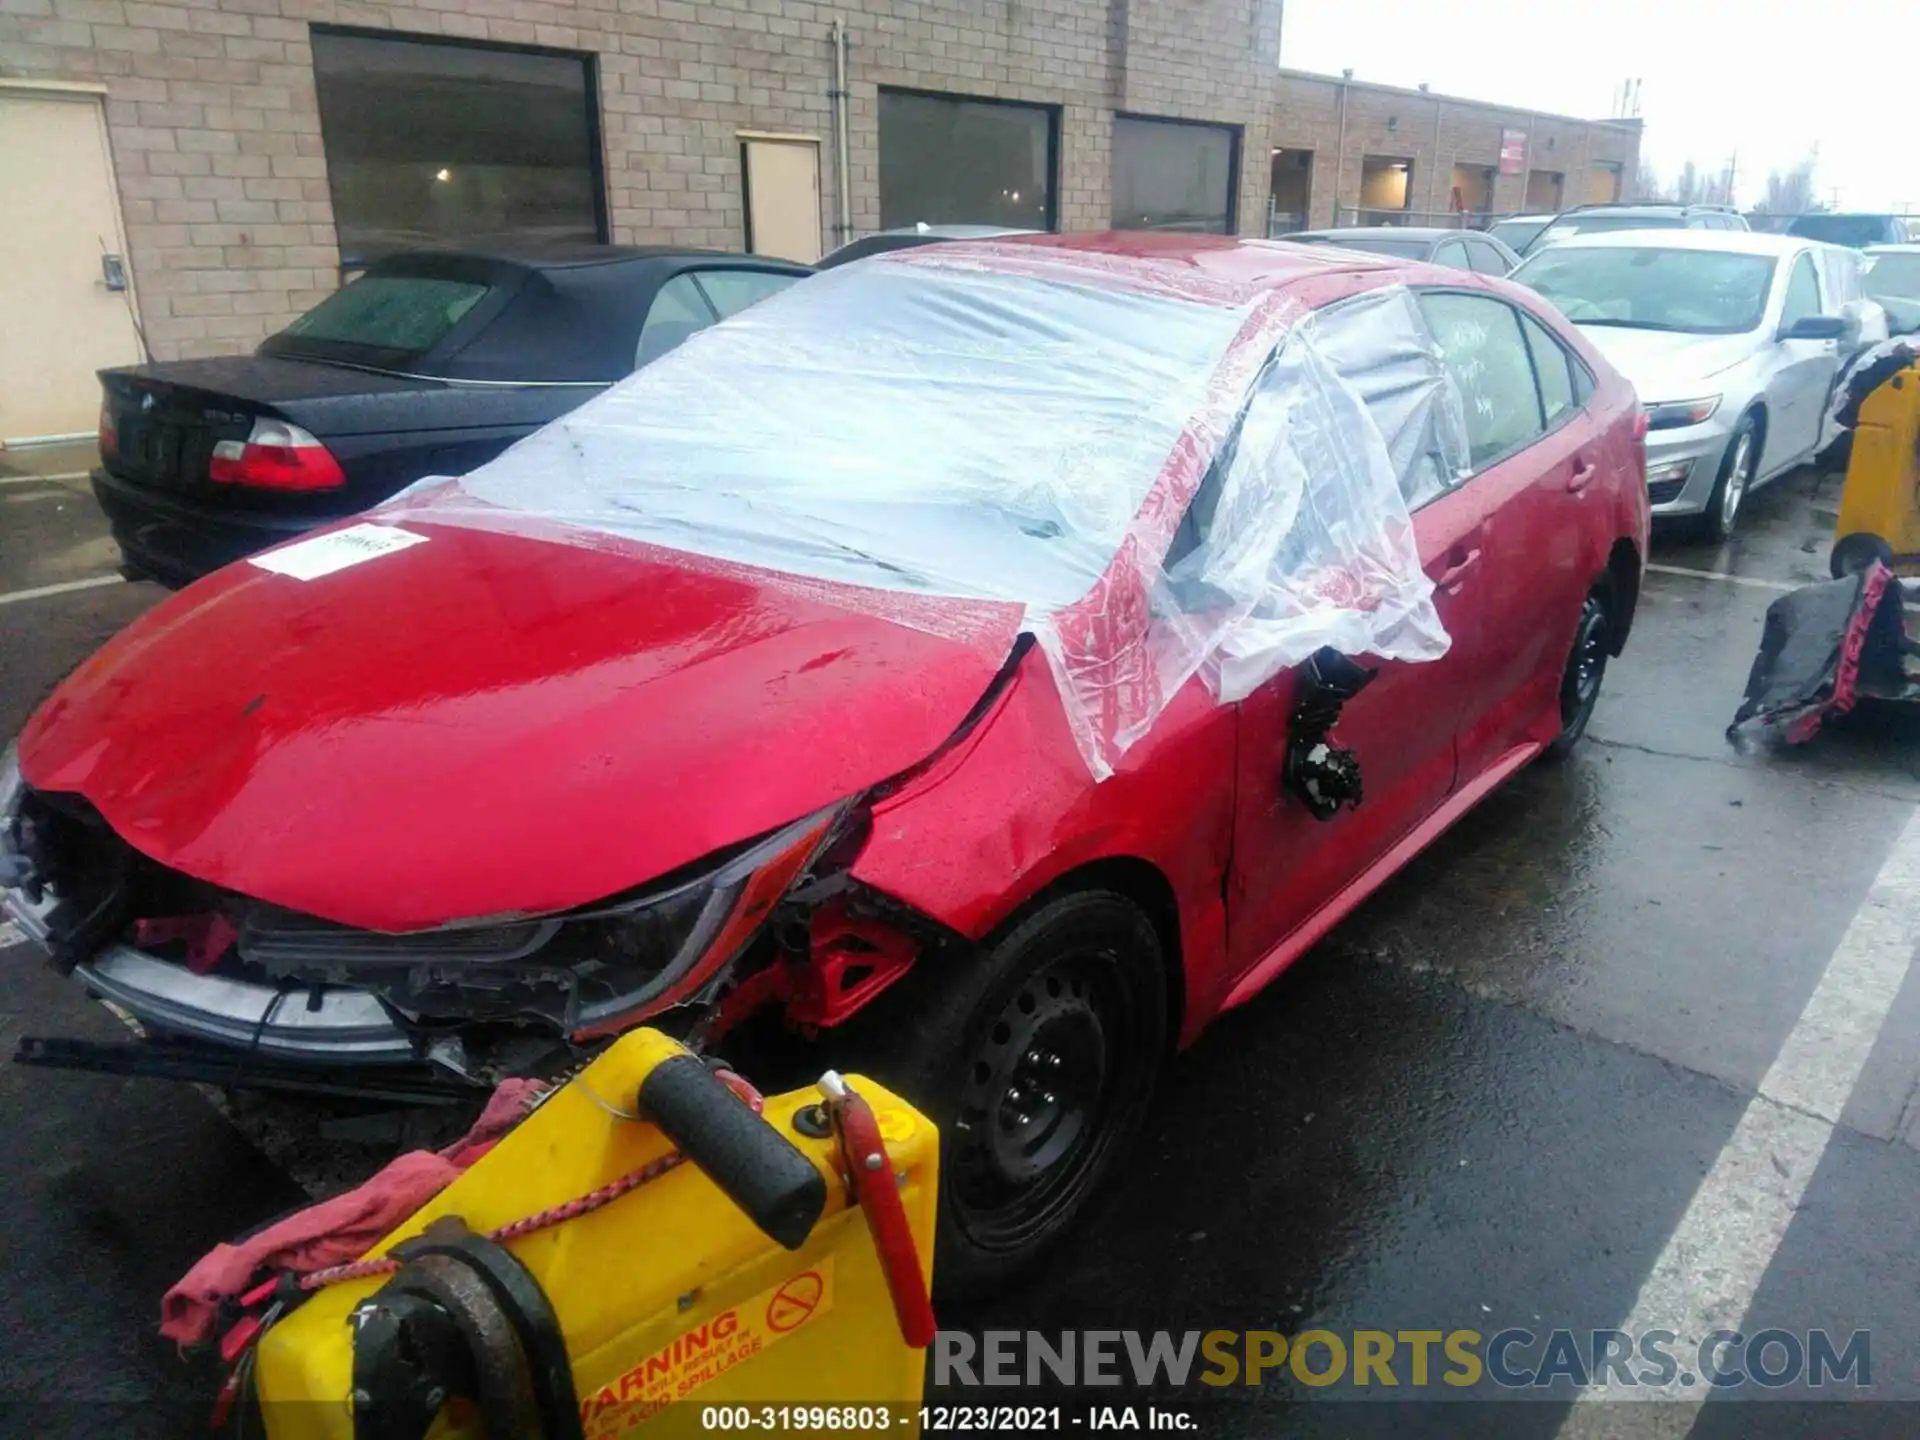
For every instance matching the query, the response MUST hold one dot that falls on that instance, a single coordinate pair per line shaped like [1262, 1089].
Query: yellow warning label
[708, 1351]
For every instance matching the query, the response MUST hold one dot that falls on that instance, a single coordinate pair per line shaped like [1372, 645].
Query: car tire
[1737, 469]
[1586, 669]
[1036, 1058]
[1855, 554]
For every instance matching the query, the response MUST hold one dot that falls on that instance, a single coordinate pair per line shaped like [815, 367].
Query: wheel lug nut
[1046, 1097]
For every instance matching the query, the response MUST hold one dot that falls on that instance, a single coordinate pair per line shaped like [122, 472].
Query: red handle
[870, 1171]
[1583, 472]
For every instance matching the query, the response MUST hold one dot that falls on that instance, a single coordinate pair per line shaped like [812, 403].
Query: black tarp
[1824, 646]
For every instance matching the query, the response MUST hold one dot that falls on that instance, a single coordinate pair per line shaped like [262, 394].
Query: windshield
[1702, 292]
[1894, 280]
[1372, 244]
[1851, 230]
[1517, 234]
[392, 318]
[988, 435]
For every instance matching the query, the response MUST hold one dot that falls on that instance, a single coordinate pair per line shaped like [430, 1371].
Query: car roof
[1739, 242]
[1908, 248]
[1203, 267]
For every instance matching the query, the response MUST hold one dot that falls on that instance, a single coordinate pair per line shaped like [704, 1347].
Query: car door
[1535, 455]
[1803, 373]
[1287, 866]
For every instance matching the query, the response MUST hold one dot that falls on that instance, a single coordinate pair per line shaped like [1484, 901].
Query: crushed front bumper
[1682, 466]
[318, 1024]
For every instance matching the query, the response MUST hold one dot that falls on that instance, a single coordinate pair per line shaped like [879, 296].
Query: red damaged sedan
[994, 660]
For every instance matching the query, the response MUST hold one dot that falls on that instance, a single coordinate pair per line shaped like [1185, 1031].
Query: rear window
[1372, 244]
[1599, 224]
[1854, 230]
[396, 315]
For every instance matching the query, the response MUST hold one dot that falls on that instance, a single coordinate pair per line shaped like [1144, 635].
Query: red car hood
[486, 724]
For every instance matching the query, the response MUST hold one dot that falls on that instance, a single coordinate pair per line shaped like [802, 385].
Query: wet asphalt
[1486, 1101]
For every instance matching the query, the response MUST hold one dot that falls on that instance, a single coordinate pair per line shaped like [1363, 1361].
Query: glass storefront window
[945, 160]
[431, 143]
[1173, 175]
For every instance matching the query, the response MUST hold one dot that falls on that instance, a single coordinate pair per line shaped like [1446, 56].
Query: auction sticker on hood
[324, 554]
[707, 1351]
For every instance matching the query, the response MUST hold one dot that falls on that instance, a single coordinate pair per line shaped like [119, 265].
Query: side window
[1555, 368]
[1485, 259]
[679, 311]
[732, 291]
[1485, 353]
[1452, 252]
[1803, 292]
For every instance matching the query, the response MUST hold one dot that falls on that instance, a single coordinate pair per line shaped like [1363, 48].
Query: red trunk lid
[485, 724]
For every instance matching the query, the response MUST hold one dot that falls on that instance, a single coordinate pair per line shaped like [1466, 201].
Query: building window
[432, 142]
[1174, 175]
[951, 161]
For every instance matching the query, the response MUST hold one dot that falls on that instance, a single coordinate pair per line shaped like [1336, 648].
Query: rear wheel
[1737, 469]
[1036, 1060]
[1586, 669]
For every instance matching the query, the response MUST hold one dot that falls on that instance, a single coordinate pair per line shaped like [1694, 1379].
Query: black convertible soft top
[557, 314]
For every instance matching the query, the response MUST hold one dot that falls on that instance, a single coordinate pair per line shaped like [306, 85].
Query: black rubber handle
[757, 1167]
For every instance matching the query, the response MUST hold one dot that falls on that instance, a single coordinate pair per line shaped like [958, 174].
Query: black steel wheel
[1586, 669]
[1037, 1060]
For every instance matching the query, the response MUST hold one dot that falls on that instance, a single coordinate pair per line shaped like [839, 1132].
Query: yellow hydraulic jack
[1880, 504]
[579, 1282]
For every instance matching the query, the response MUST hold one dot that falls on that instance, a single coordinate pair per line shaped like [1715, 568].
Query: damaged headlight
[1676, 414]
[592, 971]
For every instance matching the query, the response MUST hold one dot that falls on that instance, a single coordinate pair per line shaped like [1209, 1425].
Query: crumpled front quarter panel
[487, 724]
[1012, 808]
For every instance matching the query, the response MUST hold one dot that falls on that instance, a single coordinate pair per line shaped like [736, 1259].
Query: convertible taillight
[276, 456]
[109, 432]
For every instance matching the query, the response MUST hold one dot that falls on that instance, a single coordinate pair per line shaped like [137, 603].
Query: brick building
[239, 153]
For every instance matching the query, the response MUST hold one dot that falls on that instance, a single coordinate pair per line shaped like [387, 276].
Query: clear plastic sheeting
[1170, 475]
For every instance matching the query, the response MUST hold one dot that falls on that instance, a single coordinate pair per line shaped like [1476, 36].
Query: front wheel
[1737, 469]
[1036, 1059]
[1586, 668]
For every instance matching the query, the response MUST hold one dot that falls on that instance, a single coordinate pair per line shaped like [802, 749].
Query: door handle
[1459, 562]
[1583, 472]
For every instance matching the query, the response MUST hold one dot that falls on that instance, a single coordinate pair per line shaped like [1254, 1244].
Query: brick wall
[215, 125]
[1384, 120]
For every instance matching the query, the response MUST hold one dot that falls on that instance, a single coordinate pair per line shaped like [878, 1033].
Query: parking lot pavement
[1636, 1043]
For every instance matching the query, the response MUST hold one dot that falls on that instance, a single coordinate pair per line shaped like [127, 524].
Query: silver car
[1733, 340]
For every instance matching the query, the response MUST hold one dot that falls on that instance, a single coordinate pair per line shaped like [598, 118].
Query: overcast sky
[1767, 80]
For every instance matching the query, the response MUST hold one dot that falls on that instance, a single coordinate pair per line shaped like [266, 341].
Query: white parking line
[1749, 580]
[1713, 1263]
[63, 588]
[43, 479]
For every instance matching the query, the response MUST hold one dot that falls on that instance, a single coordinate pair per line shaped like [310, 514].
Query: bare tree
[1647, 184]
[1791, 193]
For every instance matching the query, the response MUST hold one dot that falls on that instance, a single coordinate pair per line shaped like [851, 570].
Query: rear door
[1536, 455]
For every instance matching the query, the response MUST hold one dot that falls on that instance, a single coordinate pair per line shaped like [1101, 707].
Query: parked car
[1517, 232]
[1852, 229]
[1891, 277]
[430, 363]
[1460, 249]
[1602, 219]
[994, 712]
[1733, 341]
[909, 237]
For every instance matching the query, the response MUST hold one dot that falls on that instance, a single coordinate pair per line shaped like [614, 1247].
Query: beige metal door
[783, 196]
[58, 320]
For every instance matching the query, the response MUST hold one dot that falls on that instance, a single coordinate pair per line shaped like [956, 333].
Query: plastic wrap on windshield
[1165, 474]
